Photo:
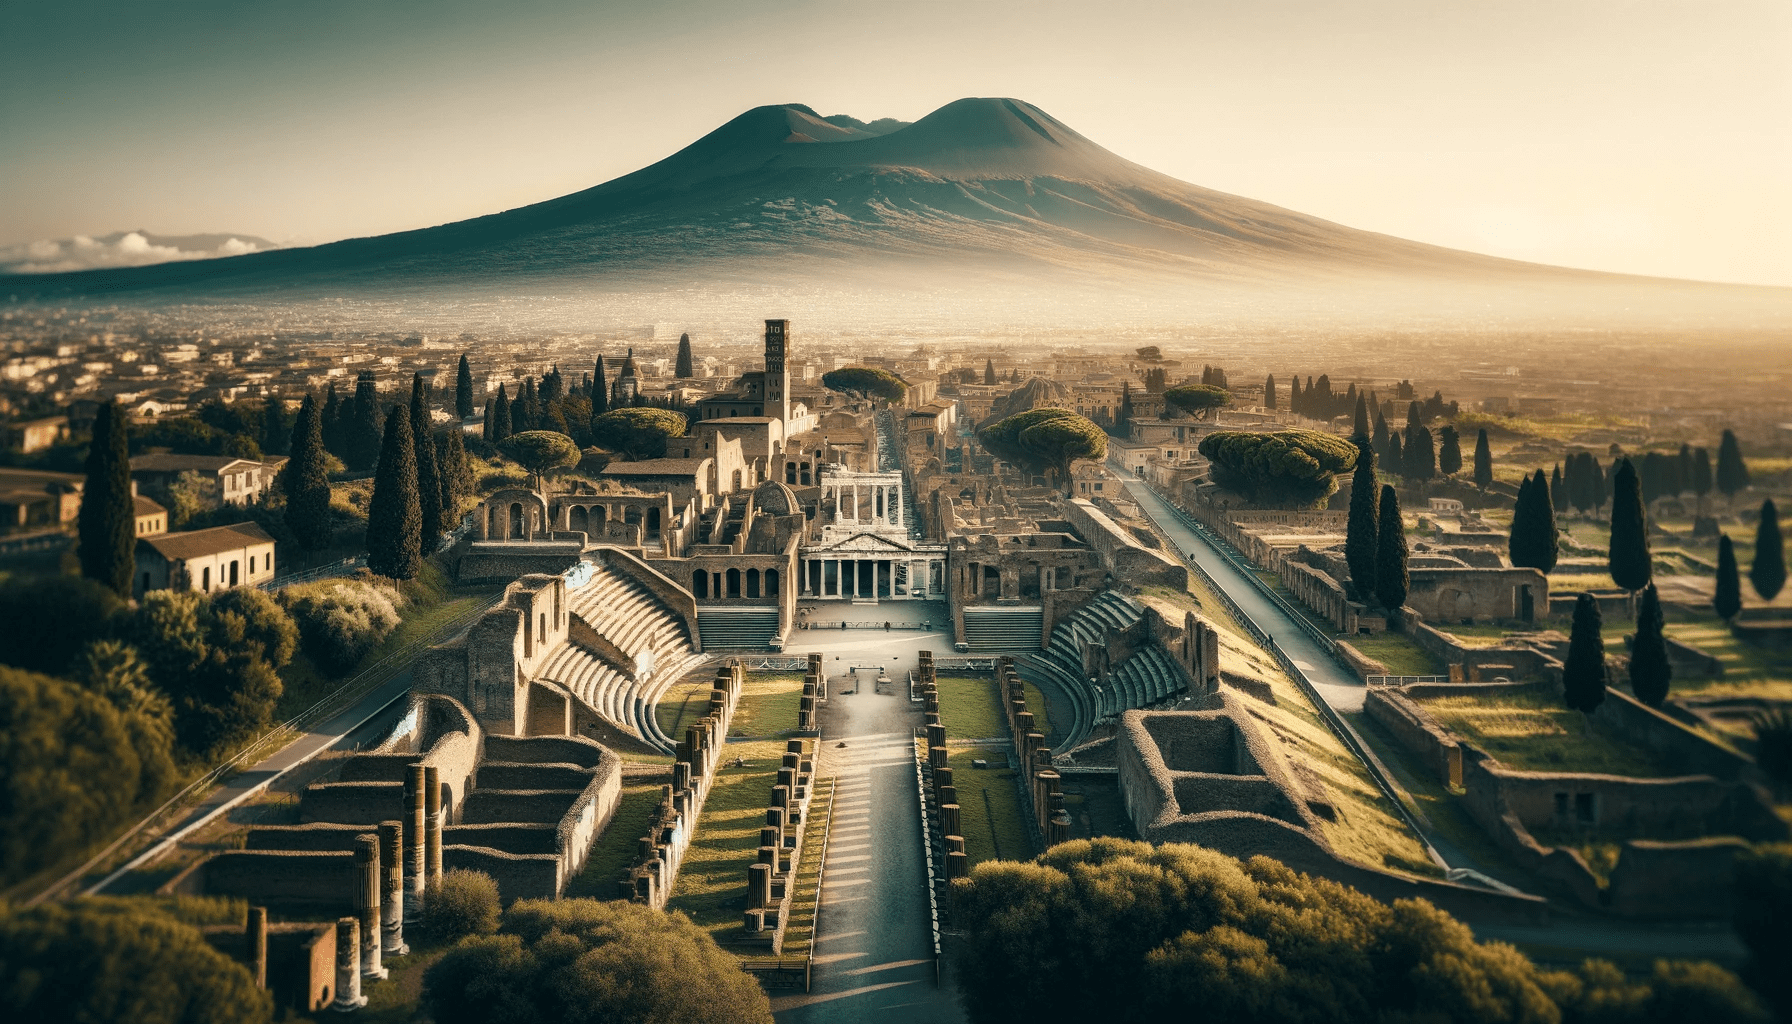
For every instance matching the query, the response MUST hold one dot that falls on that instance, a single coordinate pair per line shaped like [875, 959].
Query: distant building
[36, 435]
[205, 560]
[222, 480]
[152, 518]
[38, 499]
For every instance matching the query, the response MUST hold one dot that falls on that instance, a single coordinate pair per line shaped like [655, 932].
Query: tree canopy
[592, 962]
[1629, 558]
[865, 382]
[542, 451]
[1044, 440]
[1287, 467]
[638, 432]
[1198, 399]
[1768, 571]
[1110, 929]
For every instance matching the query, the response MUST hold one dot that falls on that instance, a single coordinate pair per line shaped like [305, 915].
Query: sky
[1625, 135]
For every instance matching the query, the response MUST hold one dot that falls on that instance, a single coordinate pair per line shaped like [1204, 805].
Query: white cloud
[131, 249]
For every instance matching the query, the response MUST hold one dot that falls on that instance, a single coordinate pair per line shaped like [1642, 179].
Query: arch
[233, 569]
[599, 515]
[205, 579]
[752, 582]
[631, 515]
[579, 520]
[734, 583]
[736, 480]
[699, 583]
[516, 520]
[771, 583]
[653, 523]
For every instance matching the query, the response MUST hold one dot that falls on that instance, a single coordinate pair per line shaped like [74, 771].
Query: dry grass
[1400, 653]
[1530, 732]
[712, 882]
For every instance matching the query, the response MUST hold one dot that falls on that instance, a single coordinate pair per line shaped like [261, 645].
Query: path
[874, 940]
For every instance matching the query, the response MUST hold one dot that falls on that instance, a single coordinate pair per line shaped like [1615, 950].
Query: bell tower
[777, 375]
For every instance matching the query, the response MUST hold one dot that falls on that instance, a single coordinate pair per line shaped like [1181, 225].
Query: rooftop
[199, 543]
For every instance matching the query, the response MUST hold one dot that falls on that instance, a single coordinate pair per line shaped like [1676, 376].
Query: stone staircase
[1148, 677]
[746, 629]
[1004, 629]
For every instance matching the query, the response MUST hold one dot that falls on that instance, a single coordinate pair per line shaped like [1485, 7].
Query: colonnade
[850, 578]
[882, 499]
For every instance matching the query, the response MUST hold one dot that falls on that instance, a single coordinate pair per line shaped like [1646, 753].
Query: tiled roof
[199, 543]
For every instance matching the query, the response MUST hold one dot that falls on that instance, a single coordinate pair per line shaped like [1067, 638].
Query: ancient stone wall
[1131, 562]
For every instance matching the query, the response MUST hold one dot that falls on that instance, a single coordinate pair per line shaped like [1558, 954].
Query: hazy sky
[1613, 134]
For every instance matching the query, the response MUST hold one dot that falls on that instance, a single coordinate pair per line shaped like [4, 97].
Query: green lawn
[682, 704]
[970, 708]
[769, 703]
[615, 850]
[989, 809]
[1400, 653]
[712, 882]
[1531, 732]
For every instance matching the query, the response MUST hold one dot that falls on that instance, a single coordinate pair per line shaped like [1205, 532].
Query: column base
[349, 1005]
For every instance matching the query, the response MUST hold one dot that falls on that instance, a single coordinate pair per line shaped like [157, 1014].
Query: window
[233, 565]
[251, 565]
[1098, 486]
[1586, 809]
[205, 579]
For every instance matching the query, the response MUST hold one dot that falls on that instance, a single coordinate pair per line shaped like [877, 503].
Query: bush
[340, 621]
[118, 960]
[463, 903]
[1763, 906]
[1111, 929]
[591, 961]
[1288, 467]
[49, 619]
[215, 657]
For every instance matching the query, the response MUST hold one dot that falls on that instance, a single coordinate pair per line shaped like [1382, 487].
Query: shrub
[1287, 467]
[1763, 905]
[215, 657]
[339, 622]
[49, 619]
[591, 961]
[118, 960]
[463, 903]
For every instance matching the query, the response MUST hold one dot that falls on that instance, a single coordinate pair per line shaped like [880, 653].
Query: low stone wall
[1417, 731]
[1358, 662]
[315, 838]
[1680, 747]
[512, 836]
[503, 561]
[310, 882]
[519, 876]
[358, 803]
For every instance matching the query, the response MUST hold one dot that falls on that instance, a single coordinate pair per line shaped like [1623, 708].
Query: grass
[799, 932]
[970, 710]
[1400, 653]
[990, 811]
[683, 704]
[616, 849]
[769, 703]
[712, 883]
[396, 1000]
[1530, 732]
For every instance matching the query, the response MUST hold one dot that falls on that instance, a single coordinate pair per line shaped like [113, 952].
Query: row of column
[848, 579]
[886, 502]
[1044, 784]
[391, 876]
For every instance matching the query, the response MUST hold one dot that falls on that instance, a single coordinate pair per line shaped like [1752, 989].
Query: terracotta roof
[145, 507]
[167, 462]
[198, 543]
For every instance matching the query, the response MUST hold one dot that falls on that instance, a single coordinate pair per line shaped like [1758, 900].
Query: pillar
[348, 966]
[759, 886]
[416, 856]
[258, 945]
[367, 903]
[392, 891]
[432, 825]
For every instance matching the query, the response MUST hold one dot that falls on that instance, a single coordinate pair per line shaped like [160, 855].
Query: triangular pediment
[862, 543]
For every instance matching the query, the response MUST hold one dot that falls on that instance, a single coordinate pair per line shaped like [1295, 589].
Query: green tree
[107, 521]
[989, 373]
[1558, 491]
[456, 475]
[1269, 392]
[1198, 400]
[463, 389]
[1396, 459]
[276, 428]
[501, 417]
[459, 904]
[1763, 903]
[595, 962]
[1727, 600]
[1768, 571]
[865, 382]
[1057, 442]
[1288, 467]
[1701, 475]
[543, 451]
[1419, 454]
[1584, 673]
[429, 480]
[1362, 536]
[364, 435]
[1449, 456]
[216, 657]
[1002, 438]
[1483, 461]
[637, 432]
[1391, 577]
[394, 517]
[1650, 671]
[114, 670]
[684, 369]
[306, 480]
[1360, 428]
[1732, 470]
[485, 429]
[51, 619]
[1630, 560]
[1535, 539]
[118, 960]
[1123, 419]
[600, 392]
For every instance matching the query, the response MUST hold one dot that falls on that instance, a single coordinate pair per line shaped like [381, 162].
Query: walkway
[874, 941]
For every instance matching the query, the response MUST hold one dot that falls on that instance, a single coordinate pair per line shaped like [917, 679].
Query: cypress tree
[500, 416]
[1768, 573]
[332, 421]
[1732, 471]
[429, 481]
[1483, 461]
[1360, 427]
[1295, 401]
[1123, 419]
[485, 431]
[1362, 534]
[1396, 458]
[1518, 540]
[1631, 563]
[394, 519]
[107, 521]
[306, 480]
[276, 429]
[1379, 439]
[989, 372]
[1449, 456]
[364, 442]
[1546, 537]
[684, 370]
[1728, 599]
[456, 479]
[1390, 553]
[1701, 475]
[1683, 477]
[1558, 491]
[1419, 455]
[600, 391]
[1650, 672]
[1269, 392]
[1583, 674]
[463, 389]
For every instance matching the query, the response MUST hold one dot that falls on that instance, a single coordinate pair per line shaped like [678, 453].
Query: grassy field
[969, 709]
[1531, 732]
[1399, 653]
[769, 702]
[799, 932]
[616, 849]
[712, 882]
[989, 807]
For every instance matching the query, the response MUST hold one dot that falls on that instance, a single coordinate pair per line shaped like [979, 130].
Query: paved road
[1341, 689]
[874, 940]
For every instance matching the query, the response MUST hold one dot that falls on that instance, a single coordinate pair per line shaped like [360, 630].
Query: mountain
[981, 194]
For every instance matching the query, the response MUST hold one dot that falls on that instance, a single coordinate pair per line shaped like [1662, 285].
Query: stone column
[392, 893]
[367, 903]
[416, 857]
[759, 886]
[432, 825]
[348, 966]
[257, 936]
